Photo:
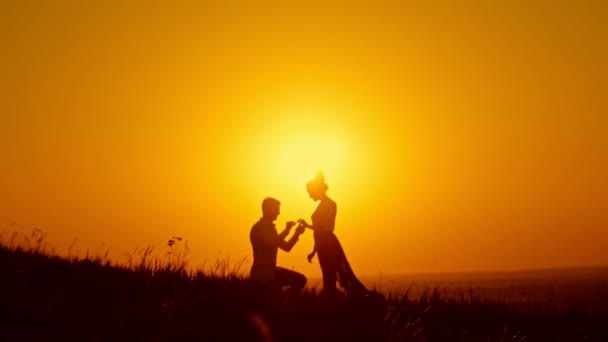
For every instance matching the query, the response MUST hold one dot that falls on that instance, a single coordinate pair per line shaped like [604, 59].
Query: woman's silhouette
[332, 259]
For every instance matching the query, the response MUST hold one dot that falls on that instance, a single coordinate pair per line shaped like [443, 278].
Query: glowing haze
[454, 137]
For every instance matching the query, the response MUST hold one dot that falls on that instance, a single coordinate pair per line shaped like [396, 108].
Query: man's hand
[301, 229]
[289, 225]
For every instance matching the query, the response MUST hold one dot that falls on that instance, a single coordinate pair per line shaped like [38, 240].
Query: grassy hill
[46, 297]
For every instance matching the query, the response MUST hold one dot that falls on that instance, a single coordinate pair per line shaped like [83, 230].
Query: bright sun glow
[301, 156]
[297, 137]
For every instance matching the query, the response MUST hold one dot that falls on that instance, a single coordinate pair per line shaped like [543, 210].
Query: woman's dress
[332, 259]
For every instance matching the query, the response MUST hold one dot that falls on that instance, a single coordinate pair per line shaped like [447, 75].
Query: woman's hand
[310, 257]
[289, 224]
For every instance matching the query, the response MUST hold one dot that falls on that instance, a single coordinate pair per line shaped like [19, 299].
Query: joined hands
[299, 230]
[303, 222]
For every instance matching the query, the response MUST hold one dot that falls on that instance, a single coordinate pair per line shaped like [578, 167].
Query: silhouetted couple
[265, 241]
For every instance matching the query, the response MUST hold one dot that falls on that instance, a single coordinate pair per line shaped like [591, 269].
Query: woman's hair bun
[319, 176]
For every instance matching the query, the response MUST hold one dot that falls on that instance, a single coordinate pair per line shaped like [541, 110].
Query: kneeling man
[266, 241]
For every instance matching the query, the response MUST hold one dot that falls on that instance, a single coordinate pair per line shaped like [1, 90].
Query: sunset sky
[454, 136]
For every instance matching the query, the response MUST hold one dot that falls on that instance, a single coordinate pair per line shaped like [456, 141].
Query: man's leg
[284, 277]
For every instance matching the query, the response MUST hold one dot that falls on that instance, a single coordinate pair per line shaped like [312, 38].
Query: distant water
[584, 285]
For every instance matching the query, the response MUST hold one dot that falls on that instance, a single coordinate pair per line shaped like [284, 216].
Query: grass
[47, 297]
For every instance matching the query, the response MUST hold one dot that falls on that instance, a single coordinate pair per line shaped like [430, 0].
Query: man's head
[271, 208]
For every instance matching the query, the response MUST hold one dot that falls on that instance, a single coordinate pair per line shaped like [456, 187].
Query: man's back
[264, 240]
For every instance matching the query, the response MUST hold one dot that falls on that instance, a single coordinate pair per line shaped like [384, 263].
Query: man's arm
[288, 245]
[285, 232]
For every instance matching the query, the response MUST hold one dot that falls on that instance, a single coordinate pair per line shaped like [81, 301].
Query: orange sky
[453, 137]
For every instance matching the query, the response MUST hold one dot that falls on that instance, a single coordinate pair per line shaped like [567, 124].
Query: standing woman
[334, 265]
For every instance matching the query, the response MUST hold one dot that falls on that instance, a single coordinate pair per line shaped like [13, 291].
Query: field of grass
[47, 297]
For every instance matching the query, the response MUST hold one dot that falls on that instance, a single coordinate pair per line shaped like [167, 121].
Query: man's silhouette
[266, 241]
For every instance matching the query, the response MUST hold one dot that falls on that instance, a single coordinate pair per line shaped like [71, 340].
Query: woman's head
[316, 187]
